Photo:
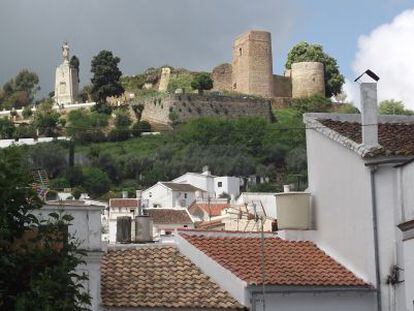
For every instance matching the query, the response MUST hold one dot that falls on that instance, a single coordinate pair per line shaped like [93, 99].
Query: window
[240, 51]
[185, 195]
[219, 184]
[150, 195]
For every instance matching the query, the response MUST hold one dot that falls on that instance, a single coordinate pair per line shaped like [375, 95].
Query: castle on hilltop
[251, 71]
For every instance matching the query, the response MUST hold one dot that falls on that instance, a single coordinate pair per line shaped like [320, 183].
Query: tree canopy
[106, 77]
[21, 90]
[202, 81]
[37, 273]
[305, 52]
[392, 106]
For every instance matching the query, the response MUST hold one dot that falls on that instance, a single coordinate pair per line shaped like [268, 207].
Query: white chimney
[124, 194]
[138, 194]
[206, 171]
[286, 188]
[369, 114]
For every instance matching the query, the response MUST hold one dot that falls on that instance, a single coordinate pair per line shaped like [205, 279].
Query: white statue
[65, 51]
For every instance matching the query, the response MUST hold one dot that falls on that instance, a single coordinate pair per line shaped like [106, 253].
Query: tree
[106, 77]
[96, 182]
[6, 128]
[36, 273]
[46, 120]
[75, 63]
[305, 52]
[392, 106]
[202, 81]
[21, 90]
[86, 126]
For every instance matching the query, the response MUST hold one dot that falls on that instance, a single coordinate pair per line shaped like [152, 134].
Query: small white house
[170, 195]
[215, 186]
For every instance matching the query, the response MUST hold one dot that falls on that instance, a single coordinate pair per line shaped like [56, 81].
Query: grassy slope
[145, 145]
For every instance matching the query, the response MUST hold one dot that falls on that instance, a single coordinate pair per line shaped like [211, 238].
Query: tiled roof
[286, 262]
[395, 138]
[211, 224]
[126, 202]
[167, 216]
[212, 209]
[158, 277]
[181, 187]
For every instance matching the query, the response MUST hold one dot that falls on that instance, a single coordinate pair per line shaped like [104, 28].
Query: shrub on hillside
[96, 182]
[314, 103]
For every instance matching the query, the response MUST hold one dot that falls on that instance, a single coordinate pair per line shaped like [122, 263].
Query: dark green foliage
[139, 127]
[95, 181]
[86, 126]
[21, 90]
[347, 108]
[75, 63]
[314, 103]
[25, 131]
[393, 107]
[305, 52]
[48, 156]
[27, 112]
[122, 118]
[46, 120]
[6, 128]
[35, 276]
[106, 78]
[202, 81]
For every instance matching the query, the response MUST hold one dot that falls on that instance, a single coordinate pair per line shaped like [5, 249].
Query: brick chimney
[369, 114]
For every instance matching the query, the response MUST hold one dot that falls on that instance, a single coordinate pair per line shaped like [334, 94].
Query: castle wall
[308, 78]
[222, 77]
[282, 86]
[157, 111]
[253, 64]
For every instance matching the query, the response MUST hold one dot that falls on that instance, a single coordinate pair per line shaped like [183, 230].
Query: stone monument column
[66, 81]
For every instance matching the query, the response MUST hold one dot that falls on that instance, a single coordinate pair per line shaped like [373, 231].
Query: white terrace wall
[187, 106]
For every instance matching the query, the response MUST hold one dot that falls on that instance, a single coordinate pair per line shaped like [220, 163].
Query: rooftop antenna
[369, 73]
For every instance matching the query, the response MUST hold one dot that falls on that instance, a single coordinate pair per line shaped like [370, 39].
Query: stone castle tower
[252, 69]
[66, 81]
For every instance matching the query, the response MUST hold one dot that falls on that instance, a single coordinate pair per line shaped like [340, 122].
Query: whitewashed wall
[314, 301]
[158, 195]
[230, 185]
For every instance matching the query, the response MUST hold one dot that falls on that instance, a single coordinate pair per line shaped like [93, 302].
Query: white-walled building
[170, 195]
[215, 186]
[360, 194]
[85, 226]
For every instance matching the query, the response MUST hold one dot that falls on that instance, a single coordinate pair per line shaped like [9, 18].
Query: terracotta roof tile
[213, 209]
[286, 262]
[167, 216]
[126, 202]
[395, 138]
[158, 277]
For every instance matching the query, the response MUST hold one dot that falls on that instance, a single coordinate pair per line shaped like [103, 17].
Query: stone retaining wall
[181, 107]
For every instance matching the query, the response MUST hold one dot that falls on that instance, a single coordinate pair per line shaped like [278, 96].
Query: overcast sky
[196, 34]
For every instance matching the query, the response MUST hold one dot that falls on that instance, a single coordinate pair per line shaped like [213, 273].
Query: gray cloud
[196, 34]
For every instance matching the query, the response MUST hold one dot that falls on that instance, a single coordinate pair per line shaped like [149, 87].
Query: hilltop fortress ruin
[251, 71]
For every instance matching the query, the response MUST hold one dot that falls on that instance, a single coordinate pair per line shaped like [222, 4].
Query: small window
[234, 85]
[240, 51]
[219, 184]
[185, 195]
[131, 210]
[150, 195]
